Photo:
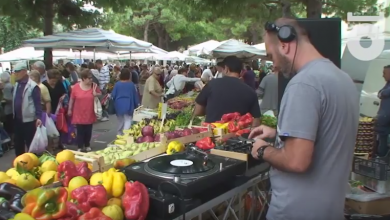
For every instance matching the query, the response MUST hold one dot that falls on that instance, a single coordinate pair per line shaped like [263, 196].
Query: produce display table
[229, 198]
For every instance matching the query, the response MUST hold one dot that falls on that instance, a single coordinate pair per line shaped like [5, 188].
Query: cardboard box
[375, 207]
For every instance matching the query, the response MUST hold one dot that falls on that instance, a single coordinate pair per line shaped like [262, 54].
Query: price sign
[164, 109]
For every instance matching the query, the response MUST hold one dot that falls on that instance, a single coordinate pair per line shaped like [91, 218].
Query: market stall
[369, 194]
[221, 181]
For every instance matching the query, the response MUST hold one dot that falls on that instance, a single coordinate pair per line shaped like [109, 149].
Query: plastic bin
[374, 168]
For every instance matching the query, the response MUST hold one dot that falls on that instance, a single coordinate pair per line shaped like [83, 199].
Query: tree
[42, 14]
[13, 33]
[314, 8]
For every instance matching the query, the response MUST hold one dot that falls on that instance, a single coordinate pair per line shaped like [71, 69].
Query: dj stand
[229, 198]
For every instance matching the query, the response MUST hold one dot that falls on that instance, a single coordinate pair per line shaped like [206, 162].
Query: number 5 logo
[368, 30]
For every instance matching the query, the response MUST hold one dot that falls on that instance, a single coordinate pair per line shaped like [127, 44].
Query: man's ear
[285, 47]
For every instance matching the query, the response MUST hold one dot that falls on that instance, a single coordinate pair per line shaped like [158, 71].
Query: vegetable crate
[374, 168]
[238, 156]
[193, 137]
[141, 156]
[96, 161]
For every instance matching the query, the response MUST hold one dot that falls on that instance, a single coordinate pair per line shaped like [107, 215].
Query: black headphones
[286, 33]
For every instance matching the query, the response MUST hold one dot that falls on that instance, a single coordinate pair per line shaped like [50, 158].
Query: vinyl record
[180, 164]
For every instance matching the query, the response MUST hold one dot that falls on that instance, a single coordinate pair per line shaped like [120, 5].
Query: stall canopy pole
[130, 57]
[94, 55]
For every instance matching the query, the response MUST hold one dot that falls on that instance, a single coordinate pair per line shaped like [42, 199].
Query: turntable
[241, 145]
[185, 174]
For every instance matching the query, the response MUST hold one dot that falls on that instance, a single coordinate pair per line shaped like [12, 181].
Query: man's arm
[385, 93]
[187, 79]
[36, 96]
[300, 103]
[201, 101]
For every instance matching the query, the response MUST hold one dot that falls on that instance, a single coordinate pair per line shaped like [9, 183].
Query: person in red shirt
[81, 109]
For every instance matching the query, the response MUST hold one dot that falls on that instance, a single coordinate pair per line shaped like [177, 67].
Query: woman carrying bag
[125, 99]
[82, 109]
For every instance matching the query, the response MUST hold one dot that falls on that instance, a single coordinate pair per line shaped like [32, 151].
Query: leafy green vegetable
[269, 121]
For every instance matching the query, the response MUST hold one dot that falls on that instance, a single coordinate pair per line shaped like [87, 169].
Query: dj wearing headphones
[317, 126]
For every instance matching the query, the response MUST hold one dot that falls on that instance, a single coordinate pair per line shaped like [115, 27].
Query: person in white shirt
[199, 84]
[178, 82]
[104, 79]
[207, 74]
[173, 73]
[220, 70]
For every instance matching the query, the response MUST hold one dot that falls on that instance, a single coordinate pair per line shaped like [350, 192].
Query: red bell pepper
[243, 131]
[86, 197]
[230, 117]
[94, 214]
[245, 120]
[66, 171]
[72, 212]
[83, 170]
[233, 127]
[205, 143]
[205, 124]
[135, 201]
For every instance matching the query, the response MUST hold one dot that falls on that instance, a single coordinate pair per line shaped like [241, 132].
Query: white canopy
[29, 53]
[205, 46]
[90, 39]
[174, 55]
[234, 47]
[260, 46]
[141, 56]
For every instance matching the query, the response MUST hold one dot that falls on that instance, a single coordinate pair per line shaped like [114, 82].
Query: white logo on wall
[371, 31]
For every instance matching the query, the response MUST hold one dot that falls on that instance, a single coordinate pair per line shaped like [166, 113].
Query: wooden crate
[96, 161]
[143, 155]
[194, 137]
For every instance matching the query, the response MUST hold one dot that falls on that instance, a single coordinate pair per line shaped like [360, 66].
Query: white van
[373, 82]
[357, 69]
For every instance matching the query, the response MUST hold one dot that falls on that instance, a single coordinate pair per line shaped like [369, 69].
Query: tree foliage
[12, 33]
[168, 24]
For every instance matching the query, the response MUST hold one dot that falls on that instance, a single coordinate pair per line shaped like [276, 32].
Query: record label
[181, 163]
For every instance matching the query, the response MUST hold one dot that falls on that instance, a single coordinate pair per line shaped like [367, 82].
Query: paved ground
[103, 133]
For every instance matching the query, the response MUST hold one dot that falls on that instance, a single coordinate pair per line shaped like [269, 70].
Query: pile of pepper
[67, 170]
[233, 123]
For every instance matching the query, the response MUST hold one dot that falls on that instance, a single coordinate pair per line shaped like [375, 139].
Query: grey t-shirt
[319, 104]
[269, 85]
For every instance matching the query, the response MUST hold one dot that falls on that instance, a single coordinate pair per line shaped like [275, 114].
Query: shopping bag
[111, 107]
[39, 142]
[61, 119]
[69, 138]
[51, 127]
[97, 106]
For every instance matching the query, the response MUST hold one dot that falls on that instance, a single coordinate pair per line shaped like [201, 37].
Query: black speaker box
[325, 35]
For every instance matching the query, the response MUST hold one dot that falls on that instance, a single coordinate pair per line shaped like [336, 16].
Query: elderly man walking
[27, 109]
[41, 68]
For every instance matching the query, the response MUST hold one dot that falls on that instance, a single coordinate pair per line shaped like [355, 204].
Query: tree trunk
[166, 41]
[313, 8]
[160, 35]
[255, 33]
[286, 8]
[48, 30]
[146, 31]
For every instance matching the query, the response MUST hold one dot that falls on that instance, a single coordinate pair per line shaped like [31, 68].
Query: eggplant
[16, 205]
[8, 191]
[6, 214]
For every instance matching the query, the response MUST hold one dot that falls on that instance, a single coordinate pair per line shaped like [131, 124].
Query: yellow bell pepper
[118, 184]
[108, 179]
[174, 147]
[114, 212]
